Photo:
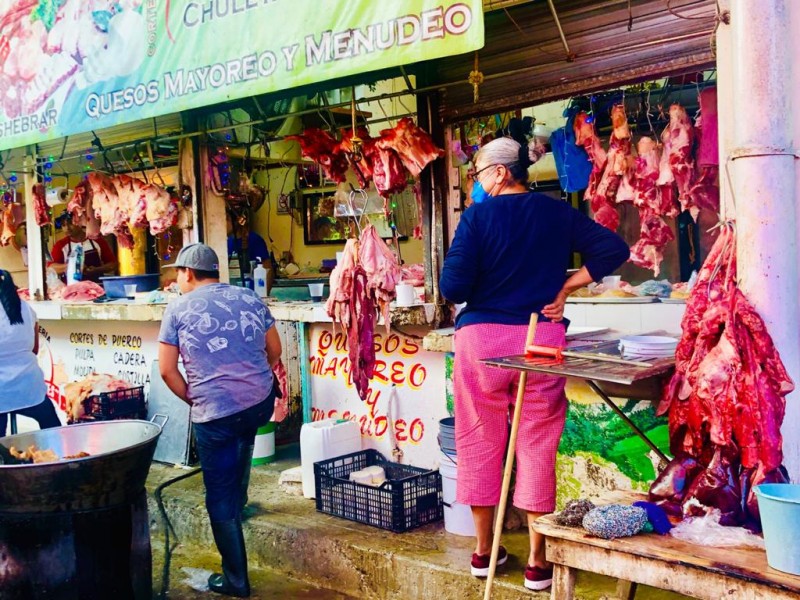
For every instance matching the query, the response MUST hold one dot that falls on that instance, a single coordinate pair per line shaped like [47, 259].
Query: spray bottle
[260, 279]
[75, 265]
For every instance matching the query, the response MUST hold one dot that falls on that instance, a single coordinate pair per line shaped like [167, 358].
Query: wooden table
[605, 378]
[662, 562]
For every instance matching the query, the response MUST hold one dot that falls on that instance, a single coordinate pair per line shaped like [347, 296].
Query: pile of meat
[662, 180]
[725, 401]
[362, 286]
[115, 204]
[76, 393]
[81, 291]
[387, 161]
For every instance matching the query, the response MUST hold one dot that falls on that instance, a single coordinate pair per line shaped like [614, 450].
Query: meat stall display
[726, 400]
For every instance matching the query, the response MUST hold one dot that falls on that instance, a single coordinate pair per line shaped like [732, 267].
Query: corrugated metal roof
[525, 63]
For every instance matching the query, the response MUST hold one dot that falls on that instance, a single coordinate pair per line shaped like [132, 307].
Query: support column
[36, 250]
[762, 165]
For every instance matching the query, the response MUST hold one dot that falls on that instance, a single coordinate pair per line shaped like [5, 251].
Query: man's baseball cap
[196, 256]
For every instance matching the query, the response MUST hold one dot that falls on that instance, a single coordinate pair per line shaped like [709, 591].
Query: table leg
[625, 418]
[626, 590]
[563, 583]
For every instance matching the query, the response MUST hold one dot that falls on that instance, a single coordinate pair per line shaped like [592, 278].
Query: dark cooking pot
[114, 473]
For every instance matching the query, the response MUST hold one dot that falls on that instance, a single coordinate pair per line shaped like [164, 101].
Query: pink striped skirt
[484, 404]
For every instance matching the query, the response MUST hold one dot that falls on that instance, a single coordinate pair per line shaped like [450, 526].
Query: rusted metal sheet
[524, 61]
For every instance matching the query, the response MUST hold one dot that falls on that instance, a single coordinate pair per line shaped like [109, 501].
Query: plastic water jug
[322, 440]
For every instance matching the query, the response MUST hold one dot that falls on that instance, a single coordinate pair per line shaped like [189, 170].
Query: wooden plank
[747, 565]
[626, 590]
[563, 587]
[682, 577]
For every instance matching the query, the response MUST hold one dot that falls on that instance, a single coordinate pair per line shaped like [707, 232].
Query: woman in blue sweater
[509, 259]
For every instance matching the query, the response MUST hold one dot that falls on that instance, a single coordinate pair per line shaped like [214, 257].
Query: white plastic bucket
[264, 448]
[779, 505]
[457, 517]
[322, 440]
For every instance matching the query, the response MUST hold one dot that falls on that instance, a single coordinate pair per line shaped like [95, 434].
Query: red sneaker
[480, 562]
[537, 578]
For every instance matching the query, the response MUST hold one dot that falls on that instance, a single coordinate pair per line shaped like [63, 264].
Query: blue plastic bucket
[779, 505]
[447, 435]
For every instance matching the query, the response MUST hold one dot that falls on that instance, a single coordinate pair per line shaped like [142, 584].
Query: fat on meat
[619, 159]
[678, 140]
[414, 146]
[382, 269]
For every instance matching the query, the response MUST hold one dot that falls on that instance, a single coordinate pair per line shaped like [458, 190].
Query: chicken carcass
[413, 144]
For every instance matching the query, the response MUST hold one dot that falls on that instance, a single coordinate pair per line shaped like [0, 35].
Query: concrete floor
[296, 552]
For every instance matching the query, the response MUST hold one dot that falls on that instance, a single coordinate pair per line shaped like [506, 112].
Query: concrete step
[286, 534]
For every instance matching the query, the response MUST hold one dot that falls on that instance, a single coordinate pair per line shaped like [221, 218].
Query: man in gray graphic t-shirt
[227, 339]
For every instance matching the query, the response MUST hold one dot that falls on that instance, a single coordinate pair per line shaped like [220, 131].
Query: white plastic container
[260, 279]
[457, 517]
[75, 265]
[322, 440]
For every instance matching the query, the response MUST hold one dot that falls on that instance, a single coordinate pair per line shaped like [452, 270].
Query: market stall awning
[525, 60]
[71, 67]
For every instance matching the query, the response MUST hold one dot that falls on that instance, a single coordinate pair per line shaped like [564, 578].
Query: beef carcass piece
[12, 217]
[413, 274]
[341, 285]
[382, 269]
[647, 170]
[705, 191]
[321, 147]
[678, 139]
[717, 487]
[388, 173]
[619, 159]
[360, 342]
[604, 211]
[131, 193]
[655, 234]
[413, 144]
[81, 208]
[40, 205]
[161, 209]
[362, 167]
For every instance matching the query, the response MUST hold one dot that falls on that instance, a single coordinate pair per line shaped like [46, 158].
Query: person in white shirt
[22, 387]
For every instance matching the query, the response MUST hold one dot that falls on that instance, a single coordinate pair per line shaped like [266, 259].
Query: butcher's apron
[91, 258]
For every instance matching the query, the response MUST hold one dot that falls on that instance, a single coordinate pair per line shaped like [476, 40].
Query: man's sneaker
[537, 578]
[480, 562]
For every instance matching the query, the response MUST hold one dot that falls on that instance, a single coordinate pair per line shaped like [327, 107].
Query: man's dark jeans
[224, 446]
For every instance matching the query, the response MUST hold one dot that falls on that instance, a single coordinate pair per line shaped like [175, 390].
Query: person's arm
[602, 250]
[272, 342]
[459, 274]
[168, 367]
[59, 264]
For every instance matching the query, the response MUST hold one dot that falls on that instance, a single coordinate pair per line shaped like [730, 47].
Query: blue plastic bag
[572, 162]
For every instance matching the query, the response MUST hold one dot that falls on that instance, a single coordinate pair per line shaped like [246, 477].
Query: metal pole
[762, 164]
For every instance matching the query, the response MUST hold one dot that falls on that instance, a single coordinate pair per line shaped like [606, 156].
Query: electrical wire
[168, 528]
[679, 16]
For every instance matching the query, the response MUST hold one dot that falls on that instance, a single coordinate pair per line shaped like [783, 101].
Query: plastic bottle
[75, 265]
[260, 279]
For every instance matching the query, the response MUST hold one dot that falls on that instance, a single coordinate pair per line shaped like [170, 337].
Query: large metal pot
[114, 473]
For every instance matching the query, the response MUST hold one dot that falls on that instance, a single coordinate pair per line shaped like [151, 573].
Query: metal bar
[560, 29]
[606, 358]
[627, 420]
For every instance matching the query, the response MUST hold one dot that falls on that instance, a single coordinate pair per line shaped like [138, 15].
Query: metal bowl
[120, 453]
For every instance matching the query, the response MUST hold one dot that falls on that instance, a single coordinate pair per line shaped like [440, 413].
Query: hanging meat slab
[604, 211]
[321, 147]
[40, 205]
[413, 144]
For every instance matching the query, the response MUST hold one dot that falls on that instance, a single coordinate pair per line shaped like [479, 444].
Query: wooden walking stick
[512, 443]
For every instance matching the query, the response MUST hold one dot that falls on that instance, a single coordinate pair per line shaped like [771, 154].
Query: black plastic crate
[119, 404]
[409, 498]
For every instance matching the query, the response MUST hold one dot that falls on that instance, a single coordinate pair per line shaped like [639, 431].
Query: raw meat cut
[655, 234]
[362, 167]
[382, 269]
[282, 402]
[40, 205]
[678, 140]
[604, 211]
[619, 159]
[726, 400]
[670, 487]
[413, 144]
[83, 291]
[78, 392]
[388, 173]
[321, 147]
[705, 190]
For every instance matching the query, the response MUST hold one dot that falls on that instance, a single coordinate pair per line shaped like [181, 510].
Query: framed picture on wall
[323, 224]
